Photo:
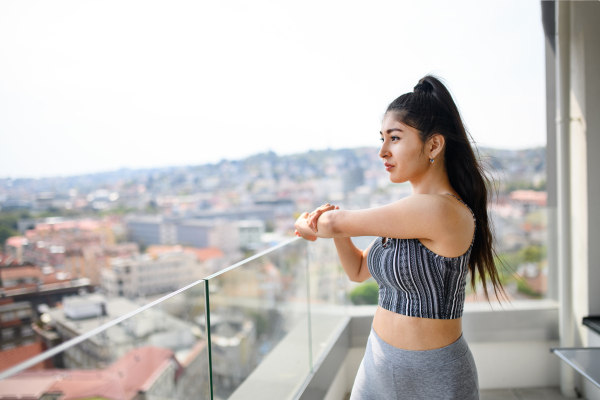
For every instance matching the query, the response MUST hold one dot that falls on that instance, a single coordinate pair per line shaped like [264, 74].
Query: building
[148, 230]
[15, 324]
[154, 327]
[39, 285]
[14, 247]
[88, 261]
[250, 233]
[212, 259]
[146, 275]
[221, 230]
[60, 243]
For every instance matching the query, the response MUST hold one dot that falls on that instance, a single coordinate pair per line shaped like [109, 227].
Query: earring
[431, 159]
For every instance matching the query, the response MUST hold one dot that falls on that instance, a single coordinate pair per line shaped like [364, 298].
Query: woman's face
[401, 151]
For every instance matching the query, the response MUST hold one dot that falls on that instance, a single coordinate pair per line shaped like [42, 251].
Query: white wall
[585, 168]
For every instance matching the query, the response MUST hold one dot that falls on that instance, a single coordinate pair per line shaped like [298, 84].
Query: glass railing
[253, 330]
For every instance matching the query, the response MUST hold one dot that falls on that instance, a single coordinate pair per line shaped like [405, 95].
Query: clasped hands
[311, 220]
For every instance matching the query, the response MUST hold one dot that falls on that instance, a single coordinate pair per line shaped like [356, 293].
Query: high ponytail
[431, 110]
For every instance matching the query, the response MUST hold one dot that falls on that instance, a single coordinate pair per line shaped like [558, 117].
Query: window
[26, 331]
[519, 217]
[8, 334]
[8, 316]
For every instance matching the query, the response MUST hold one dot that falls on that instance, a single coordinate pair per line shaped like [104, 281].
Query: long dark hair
[430, 109]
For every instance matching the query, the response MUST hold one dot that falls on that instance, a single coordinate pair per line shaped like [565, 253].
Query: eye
[381, 140]
[395, 137]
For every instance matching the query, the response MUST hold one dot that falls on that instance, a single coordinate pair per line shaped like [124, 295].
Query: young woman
[426, 245]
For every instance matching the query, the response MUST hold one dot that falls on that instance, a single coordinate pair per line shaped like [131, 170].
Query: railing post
[208, 341]
[310, 361]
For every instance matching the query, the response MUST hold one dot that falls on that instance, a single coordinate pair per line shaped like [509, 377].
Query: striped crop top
[417, 282]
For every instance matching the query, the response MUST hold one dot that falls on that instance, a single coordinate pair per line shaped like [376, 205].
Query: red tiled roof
[16, 241]
[81, 384]
[33, 389]
[206, 253]
[135, 372]
[84, 224]
[530, 196]
[156, 250]
[140, 367]
[202, 254]
[23, 271]
[8, 260]
[12, 357]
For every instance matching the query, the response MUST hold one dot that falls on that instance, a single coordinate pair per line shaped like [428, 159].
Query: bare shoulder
[427, 216]
[455, 230]
[438, 213]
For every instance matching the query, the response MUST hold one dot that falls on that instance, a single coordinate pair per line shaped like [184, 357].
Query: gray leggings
[387, 372]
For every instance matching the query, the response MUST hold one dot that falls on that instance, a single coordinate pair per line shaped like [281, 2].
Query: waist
[412, 333]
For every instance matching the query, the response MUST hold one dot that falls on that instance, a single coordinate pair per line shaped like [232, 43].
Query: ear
[436, 144]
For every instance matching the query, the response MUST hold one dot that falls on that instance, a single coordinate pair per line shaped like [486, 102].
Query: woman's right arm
[353, 259]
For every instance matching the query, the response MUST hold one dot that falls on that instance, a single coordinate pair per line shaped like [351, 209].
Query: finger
[318, 213]
[316, 218]
[311, 223]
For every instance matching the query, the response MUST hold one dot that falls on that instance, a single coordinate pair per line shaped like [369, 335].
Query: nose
[383, 152]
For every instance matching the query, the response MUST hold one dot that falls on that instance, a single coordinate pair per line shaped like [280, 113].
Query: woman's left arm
[417, 216]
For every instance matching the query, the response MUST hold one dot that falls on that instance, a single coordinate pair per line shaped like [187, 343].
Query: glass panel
[160, 353]
[259, 327]
[519, 218]
[329, 297]
[522, 260]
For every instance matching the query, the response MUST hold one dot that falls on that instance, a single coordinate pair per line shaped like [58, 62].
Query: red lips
[388, 166]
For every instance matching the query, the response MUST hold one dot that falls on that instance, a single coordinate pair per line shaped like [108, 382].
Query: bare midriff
[413, 333]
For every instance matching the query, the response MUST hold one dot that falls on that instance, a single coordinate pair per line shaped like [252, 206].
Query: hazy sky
[89, 86]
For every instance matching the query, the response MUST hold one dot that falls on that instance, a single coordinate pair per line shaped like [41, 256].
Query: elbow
[331, 222]
[357, 279]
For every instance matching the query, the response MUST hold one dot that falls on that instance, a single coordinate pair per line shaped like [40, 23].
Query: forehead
[391, 122]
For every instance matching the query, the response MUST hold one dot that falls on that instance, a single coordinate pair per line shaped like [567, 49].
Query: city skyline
[93, 87]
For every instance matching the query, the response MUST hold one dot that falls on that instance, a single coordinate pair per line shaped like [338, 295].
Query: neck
[434, 180]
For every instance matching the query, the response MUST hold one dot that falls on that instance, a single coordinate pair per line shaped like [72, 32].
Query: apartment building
[146, 274]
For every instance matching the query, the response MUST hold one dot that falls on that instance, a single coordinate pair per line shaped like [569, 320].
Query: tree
[367, 293]
[5, 233]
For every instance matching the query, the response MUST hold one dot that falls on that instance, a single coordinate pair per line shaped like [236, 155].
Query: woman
[426, 245]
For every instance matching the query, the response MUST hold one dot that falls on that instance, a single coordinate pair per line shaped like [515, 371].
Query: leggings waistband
[417, 358]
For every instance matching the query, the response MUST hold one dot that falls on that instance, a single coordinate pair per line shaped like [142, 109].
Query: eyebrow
[391, 130]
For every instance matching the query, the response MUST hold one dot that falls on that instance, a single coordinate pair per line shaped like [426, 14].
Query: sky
[92, 86]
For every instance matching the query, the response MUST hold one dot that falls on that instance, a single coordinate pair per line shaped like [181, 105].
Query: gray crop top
[417, 282]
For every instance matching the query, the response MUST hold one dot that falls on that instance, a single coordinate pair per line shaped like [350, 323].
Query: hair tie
[423, 87]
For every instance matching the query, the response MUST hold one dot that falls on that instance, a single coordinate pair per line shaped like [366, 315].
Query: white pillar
[563, 119]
